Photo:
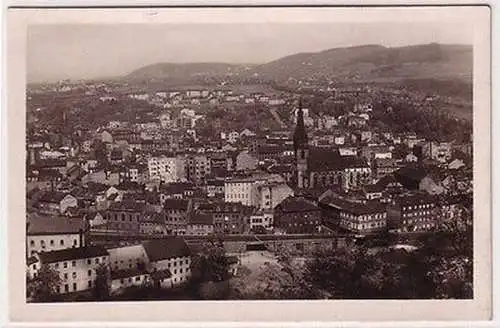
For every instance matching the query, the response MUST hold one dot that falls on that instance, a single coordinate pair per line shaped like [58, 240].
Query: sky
[57, 52]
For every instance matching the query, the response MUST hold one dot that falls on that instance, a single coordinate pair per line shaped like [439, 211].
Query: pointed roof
[300, 135]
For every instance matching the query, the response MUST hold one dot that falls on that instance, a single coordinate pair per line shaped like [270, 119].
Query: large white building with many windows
[76, 266]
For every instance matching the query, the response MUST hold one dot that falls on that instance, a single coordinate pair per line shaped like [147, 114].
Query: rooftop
[55, 225]
[73, 254]
[166, 248]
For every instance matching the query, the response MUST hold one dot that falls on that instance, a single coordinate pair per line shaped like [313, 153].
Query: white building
[166, 169]
[76, 266]
[169, 260]
[45, 234]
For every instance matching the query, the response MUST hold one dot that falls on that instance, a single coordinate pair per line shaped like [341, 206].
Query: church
[325, 167]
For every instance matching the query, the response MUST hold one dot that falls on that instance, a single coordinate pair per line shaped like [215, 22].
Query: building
[296, 215]
[215, 188]
[200, 224]
[54, 202]
[271, 194]
[126, 278]
[169, 260]
[246, 162]
[361, 217]
[167, 169]
[228, 218]
[262, 220]
[76, 266]
[153, 224]
[197, 168]
[415, 212]
[320, 167]
[441, 152]
[127, 257]
[45, 234]
[239, 190]
[177, 215]
[125, 216]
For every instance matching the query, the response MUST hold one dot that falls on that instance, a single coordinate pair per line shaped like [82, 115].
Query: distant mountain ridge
[375, 62]
[366, 62]
[179, 70]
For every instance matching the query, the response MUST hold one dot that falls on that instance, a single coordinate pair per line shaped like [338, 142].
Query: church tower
[301, 148]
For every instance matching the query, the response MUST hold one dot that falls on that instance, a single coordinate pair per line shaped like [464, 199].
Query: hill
[374, 63]
[185, 70]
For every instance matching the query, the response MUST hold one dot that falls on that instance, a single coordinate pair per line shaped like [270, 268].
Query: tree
[210, 265]
[101, 285]
[45, 286]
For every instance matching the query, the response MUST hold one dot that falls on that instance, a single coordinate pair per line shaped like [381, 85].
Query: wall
[79, 273]
[34, 242]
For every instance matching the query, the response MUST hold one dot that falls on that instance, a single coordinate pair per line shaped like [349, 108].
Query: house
[228, 218]
[262, 220]
[177, 214]
[45, 234]
[125, 278]
[359, 217]
[383, 167]
[153, 224]
[200, 224]
[54, 202]
[296, 215]
[179, 190]
[76, 266]
[124, 216]
[169, 260]
[215, 188]
[415, 212]
[96, 219]
[127, 257]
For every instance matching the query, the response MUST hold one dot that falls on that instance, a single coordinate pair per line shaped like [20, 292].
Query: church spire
[300, 135]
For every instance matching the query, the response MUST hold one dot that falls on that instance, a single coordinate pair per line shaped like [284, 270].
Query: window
[66, 288]
[65, 276]
[65, 265]
[32, 242]
[75, 242]
[52, 243]
[73, 263]
[34, 266]
[90, 283]
[175, 271]
[138, 278]
[61, 242]
[90, 272]
[56, 265]
[74, 275]
[121, 281]
[97, 261]
[180, 270]
[129, 279]
[74, 286]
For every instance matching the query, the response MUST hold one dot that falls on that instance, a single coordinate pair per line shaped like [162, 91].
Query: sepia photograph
[277, 160]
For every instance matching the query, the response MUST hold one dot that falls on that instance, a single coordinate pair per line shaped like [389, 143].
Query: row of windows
[417, 220]
[416, 213]
[415, 207]
[360, 226]
[52, 242]
[363, 217]
[73, 263]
